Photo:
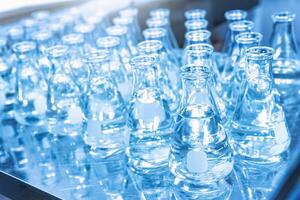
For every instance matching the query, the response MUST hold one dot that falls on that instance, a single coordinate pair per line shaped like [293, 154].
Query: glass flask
[258, 129]
[106, 126]
[195, 14]
[29, 26]
[286, 64]
[125, 51]
[163, 23]
[195, 24]
[232, 16]
[31, 88]
[201, 54]
[15, 34]
[118, 73]
[87, 31]
[132, 32]
[151, 127]
[233, 85]
[42, 16]
[197, 37]
[233, 50]
[167, 72]
[79, 72]
[98, 21]
[133, 12]
[7, 81]
[200, 157]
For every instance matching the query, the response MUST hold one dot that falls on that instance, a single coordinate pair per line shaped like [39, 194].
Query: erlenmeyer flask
[31, 88]
[233, 87]
[118, 73]
[231, 16]
[195, 14]
[286, 63]
[168, 73]
[258, 129]
[195, 24]
[106, 125]
[151, 126]
[200, 157]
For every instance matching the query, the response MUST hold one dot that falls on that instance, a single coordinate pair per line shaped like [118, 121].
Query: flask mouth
[84, 28]
[108, 42]
[248, 38]
[123, 21]
[41, 36]
[91, 19]
[285, 16]
[41, 15]
[199, 49]
[140, 62]
[199, 35]
[96, 56]
[57, 51]
[153, 33]
[259, 53]
[195, 14]
[160, 13]
[29, 23]
[156, 22]
[129, 12]
[150, 46]
[24, 47]
[243, 25]
[196, 24]
[235, 15]
[73, 39]
[16, 32]
[192, 72]
[116, 30]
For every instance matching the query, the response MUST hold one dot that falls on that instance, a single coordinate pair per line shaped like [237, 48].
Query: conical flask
[286, 64]
[233, 87]
[195, 14]
[258, 129]
[200, 153]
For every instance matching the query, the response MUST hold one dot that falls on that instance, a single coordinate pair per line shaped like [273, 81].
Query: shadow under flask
[31, 89]
[258, 129]
[149, 120]
[200, 152]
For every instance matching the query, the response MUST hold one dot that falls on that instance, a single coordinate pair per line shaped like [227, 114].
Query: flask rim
[284, 16]
[41, 36]
[154, 32]
[259, 53]
[160, 13]
[197, 13]
[248, 37]
[150, 46]
[200, 49]
[108, 42]
[234, 15]
[84, 28]
[142, 61]
[96, 56]
[24, 47]
[56, 51]
[243, 25]
[196, 24]
[156, 22]
[198, 35]
[116, 30]
[129, 12]
[194, 71]
[73, 39]
[123, 21]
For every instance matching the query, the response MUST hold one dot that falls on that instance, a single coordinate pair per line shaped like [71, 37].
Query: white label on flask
[75, 115]
[197, 161]
[40, 104]
[281, 132]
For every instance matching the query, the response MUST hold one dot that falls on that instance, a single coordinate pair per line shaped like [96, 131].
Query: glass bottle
[31, 89]
[232, 16]
[197, 37]
[233, 87]
[286, 64]
[195, 14]
[125, 51]
[151, 127]
[258, 129]
[133, 12]
[168, 72]
[195, 24]
[235, 29]
[163, 23]
[200, 157]
[106, 126]
[118, 73]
